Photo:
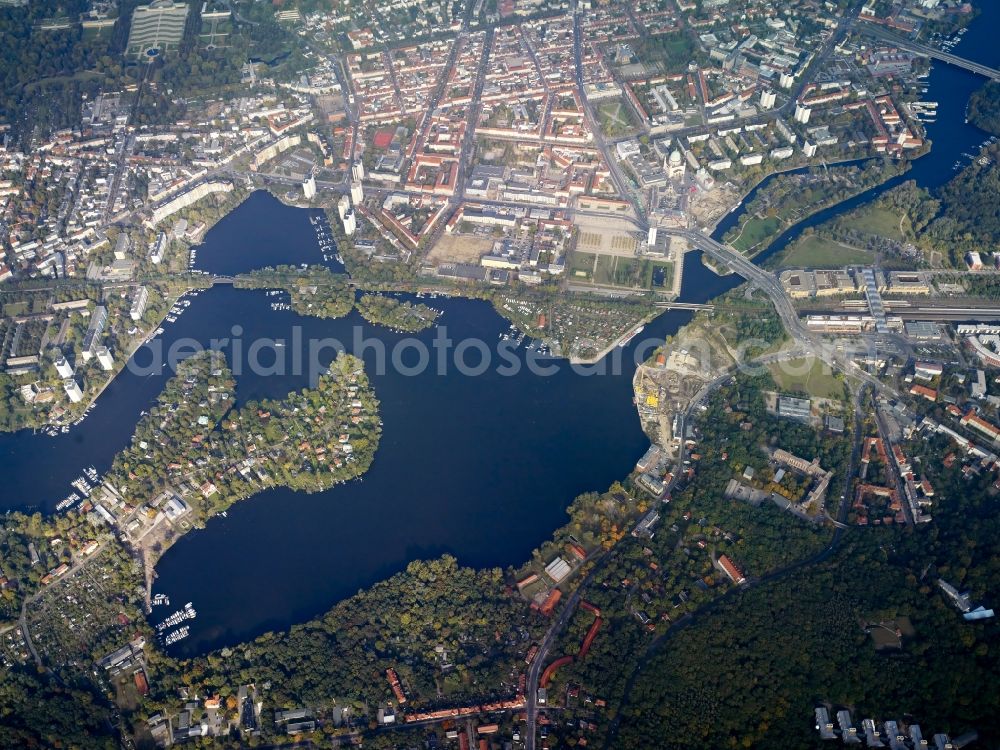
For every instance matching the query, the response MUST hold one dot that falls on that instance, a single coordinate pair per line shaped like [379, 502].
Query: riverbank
[802, 211]
[776, 173]
[200, 453]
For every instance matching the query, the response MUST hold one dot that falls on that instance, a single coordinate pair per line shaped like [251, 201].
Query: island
[396, 314]
[313, 290]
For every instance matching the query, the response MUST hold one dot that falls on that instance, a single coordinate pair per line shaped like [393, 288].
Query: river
[952, 138]
[480, 467]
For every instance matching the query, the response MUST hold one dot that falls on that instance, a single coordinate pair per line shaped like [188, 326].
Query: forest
[960, 216]
[40, 711]
[451, 633]
[721, 665]
[45, 73]
[651, 589]
[984, 108]
[749, 672]
[784, 199]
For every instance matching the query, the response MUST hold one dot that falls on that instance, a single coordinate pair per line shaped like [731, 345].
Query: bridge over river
[928, 51]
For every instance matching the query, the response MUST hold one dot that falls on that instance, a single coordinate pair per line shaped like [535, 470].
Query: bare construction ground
[708, 207]
[459, 248]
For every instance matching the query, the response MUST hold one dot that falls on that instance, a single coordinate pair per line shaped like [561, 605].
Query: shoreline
[456, 291]
[817, 208]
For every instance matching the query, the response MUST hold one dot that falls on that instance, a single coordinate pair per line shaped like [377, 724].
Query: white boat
[176, 635]
[627, 339]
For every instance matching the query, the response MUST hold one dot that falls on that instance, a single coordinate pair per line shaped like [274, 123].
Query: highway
[927, 51]
[765, 280]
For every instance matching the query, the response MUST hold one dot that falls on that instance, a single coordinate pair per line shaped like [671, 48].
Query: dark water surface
[480, 467]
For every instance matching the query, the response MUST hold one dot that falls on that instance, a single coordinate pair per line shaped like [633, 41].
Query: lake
[479, 467]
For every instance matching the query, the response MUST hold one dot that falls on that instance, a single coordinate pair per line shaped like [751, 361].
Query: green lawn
[811, 376]
[625, 271]
[755, 231]
[614, 270]
[673, 50]
[816, 252]
[615, 118]
[880, 221]
[581, 265]
[15, 308]
[605, 271]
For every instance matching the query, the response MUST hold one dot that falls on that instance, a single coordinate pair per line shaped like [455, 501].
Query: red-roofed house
[734, 573]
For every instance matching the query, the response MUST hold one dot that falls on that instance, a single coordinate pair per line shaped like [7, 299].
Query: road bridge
[682, 306]
[733, 260]
[928, 51]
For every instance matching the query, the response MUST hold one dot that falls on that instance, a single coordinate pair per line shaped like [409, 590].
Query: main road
[928, 51]
[622, 184]
[554, 631]
[768, 283]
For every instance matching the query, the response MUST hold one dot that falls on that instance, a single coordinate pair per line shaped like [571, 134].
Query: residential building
[158, 248]
[64, 368]
[139, 303]
[73, 391]
[350, 222]
[104, 358]
[823, 724]
[92, 338]
[730, 569]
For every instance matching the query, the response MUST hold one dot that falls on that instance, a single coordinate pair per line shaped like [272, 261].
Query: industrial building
[794, 408]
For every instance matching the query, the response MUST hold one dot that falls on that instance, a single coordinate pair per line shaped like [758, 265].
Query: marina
[176, 635]
[188, 613]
